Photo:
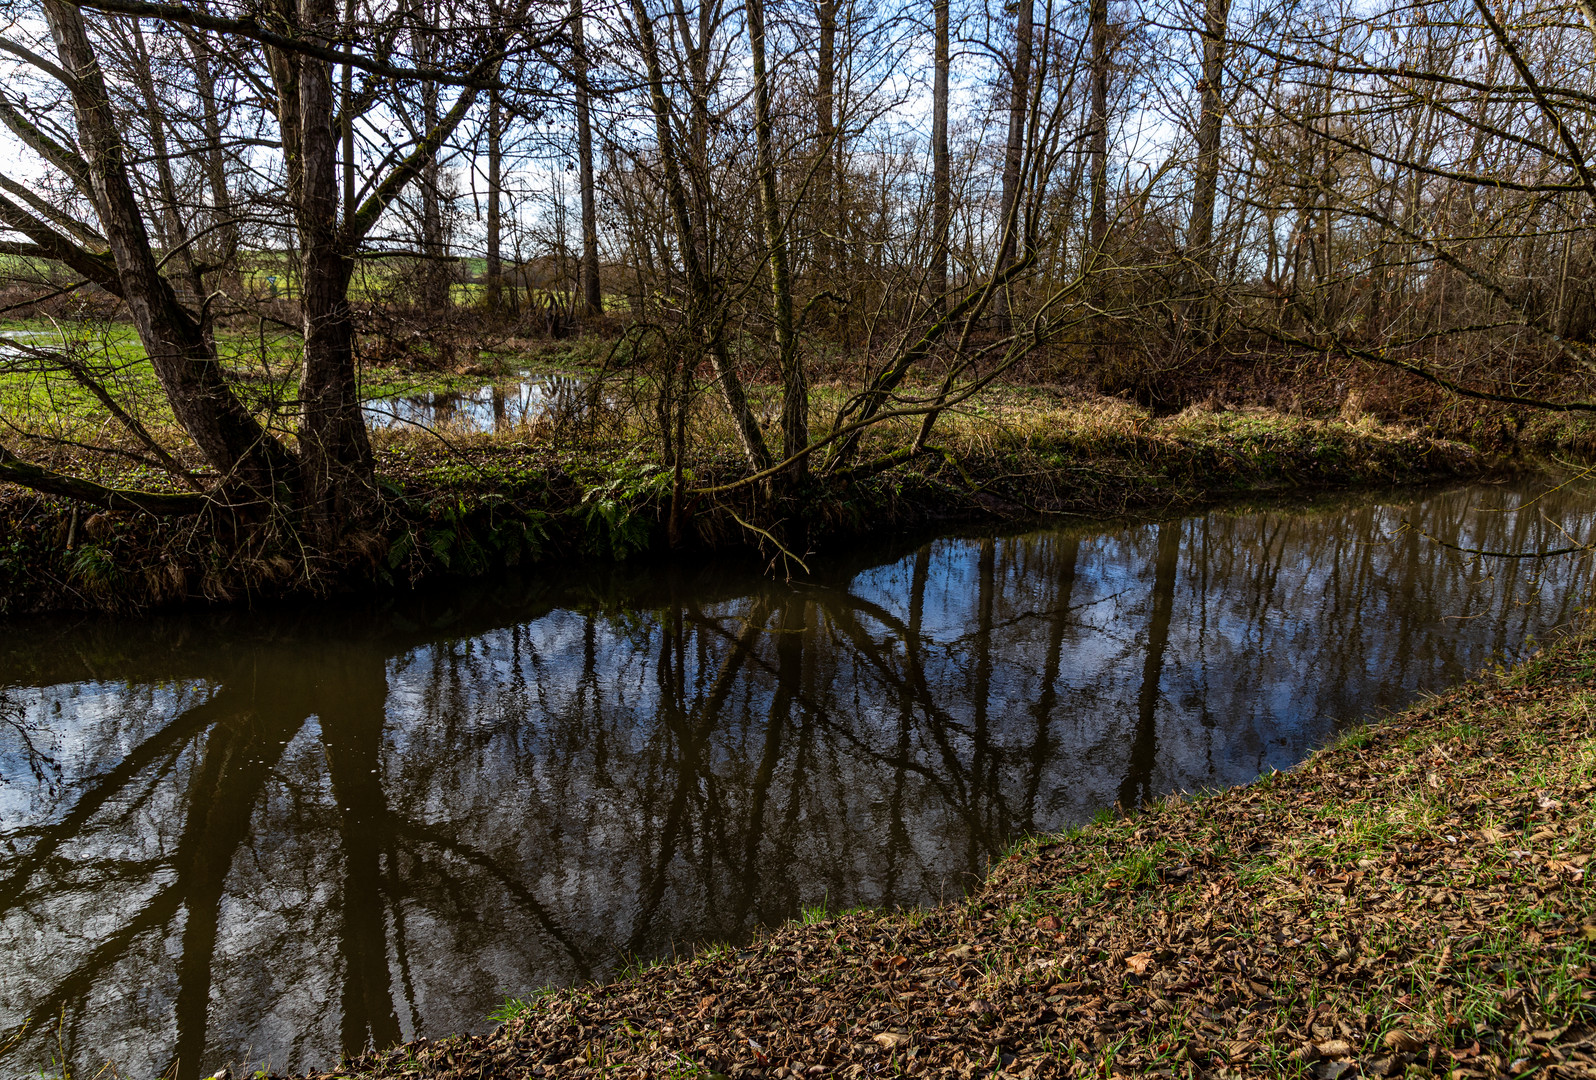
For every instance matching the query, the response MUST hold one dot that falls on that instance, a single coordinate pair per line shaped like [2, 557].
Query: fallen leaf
[1401, 1040]
[891, 1040]
[1334, 1048]
[1139, 962]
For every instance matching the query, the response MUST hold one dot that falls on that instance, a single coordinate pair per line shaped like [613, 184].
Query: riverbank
[1413, 900]
[481, 502]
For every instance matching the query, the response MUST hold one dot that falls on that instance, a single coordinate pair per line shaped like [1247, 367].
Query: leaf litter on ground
[1413, 901]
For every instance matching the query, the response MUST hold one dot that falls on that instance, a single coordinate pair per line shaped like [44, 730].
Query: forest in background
[791, 244]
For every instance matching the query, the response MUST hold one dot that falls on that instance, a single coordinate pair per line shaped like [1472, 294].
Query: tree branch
[250, 28]
[46, 481]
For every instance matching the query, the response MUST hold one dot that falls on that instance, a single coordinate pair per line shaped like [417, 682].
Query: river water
[267, 839]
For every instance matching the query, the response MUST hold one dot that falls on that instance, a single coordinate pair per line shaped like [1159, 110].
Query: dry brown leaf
[1401, 1040]
[1139, 963]
[892, 1040]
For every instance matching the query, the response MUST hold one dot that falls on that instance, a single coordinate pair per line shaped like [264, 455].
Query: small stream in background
[235, 838]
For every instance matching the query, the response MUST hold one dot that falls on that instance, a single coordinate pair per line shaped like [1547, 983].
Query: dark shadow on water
[278, 837]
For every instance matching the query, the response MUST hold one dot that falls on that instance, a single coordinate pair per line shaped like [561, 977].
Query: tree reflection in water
[236, 838]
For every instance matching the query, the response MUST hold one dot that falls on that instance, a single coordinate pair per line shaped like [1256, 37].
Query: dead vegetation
[1411, 901]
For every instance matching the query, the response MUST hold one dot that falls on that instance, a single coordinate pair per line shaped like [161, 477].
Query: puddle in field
[496, 408]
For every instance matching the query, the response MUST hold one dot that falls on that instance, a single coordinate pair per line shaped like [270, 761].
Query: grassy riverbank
[482, 501]
[1414, 900]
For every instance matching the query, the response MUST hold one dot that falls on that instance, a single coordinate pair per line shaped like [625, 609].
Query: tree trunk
[434, 245]
[592, 295]
[826, 132]
[1097, 157]
[941, 171]
[337, 471]
[495, 268]
[173, 227]
[794, 387]
[701, 316]
[1014, 158]
[1097, 142]
[184, 361]
[224, 246]
[1200, 232]
[346, 115]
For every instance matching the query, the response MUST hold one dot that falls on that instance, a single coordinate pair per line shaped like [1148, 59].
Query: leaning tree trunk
[185, 362]
[224, 244]
[701, 315]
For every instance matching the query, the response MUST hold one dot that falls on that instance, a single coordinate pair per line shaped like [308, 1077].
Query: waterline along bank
[1413, 900]
[269, 839]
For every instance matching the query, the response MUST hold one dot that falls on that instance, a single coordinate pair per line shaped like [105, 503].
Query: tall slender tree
[1205, 182]
[592, 294]
[1014, 153]
[941, 165]
[794, 386]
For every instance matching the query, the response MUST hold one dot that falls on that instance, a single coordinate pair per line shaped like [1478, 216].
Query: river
[266, 839]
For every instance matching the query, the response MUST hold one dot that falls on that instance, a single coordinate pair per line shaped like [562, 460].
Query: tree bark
[592, 294]
[184, 361]
[1200, 232]
[495, 265]
[794, 386]
[1014, 157]
[336, 467]
[941, 171]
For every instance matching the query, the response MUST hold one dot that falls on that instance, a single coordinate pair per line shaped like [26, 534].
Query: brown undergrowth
[482, 502]
[1414, 900]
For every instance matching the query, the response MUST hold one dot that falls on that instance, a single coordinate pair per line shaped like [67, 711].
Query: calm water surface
[498, 408]
[271, 838]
